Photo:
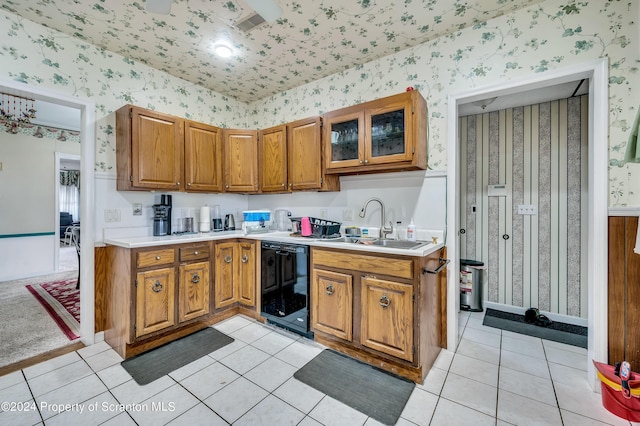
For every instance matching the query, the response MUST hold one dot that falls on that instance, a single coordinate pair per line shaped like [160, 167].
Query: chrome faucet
[384, 231]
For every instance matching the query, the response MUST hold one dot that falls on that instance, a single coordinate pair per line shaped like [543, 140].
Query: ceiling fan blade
[162, 7]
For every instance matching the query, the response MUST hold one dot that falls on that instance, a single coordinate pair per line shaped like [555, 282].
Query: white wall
[421, 195]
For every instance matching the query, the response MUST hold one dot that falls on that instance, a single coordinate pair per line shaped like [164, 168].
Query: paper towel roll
[205, 219]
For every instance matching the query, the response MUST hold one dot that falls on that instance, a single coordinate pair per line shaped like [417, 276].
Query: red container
[613, 398]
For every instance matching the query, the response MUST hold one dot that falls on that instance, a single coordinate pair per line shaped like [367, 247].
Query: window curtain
[70, 193]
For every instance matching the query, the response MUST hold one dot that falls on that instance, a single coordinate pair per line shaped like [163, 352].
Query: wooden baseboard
[16, 366]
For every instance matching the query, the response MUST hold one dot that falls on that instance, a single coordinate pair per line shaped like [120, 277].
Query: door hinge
[130, 114]
[413, 150]
[131, 178]
[321, 181]
[413, 297]
[135, 328]
[413, 110]
[321, 123]
[136, 282]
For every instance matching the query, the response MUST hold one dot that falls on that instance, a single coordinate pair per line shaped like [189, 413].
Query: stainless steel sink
[400, 244]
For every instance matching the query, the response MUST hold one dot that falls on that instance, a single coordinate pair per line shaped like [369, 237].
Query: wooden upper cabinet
[149, 149]
[241, 160]
[203, 158]
[273, 159]
[305, 154]
[387, 134]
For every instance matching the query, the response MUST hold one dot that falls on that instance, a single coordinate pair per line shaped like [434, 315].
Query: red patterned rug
[62, 302]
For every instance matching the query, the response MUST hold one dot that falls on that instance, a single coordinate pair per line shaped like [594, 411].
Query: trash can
[471, 272]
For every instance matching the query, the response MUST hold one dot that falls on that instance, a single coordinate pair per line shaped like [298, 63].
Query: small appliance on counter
[162, 216]
[256, 221]
[217, 219]
[205, 219]
[229, 223]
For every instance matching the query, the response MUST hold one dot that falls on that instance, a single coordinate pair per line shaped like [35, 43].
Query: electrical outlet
[347, 214]
[527, 209]
[137, 209]
[324, 213]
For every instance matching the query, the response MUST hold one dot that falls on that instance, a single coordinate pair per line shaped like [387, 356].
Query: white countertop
[285, 237]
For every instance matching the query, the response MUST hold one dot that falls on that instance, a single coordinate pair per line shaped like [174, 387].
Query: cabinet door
[247, 273]
[155, 296]
[225, 290]
[344, 140]
[387, 317]
[156, 150]
[241, 160]
[193, 295]
[332, 303]
[305, 154]
[202, 157]
[273, 159]
[389, 129]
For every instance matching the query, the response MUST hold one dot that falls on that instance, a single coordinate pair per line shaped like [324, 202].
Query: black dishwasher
[285, 285]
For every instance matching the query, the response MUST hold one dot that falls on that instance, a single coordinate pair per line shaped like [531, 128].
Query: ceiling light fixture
[222, 50]
[162, 7]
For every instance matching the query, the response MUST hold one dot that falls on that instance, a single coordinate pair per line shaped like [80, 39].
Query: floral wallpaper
[543, 36]
[309, 40]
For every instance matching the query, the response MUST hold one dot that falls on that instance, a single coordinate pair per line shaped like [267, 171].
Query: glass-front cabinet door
[346, 133]
[389, 130]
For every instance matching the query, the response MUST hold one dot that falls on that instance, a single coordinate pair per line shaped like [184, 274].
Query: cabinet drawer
[155, 258]
[372, 264]
[194, 253]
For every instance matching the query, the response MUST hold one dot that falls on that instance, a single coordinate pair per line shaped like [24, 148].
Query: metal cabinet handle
[329, 289]
[195, 278]
[195, 253]
[157, 287]
[245, 258]
[226, 186]
[360, 161]
[177, 183]
[385, 301]
[366, 161]
[157, 257]
[443, 263]
[188, 183]
[228, 259]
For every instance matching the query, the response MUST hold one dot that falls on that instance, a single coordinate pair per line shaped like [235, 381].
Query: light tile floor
[494, 378]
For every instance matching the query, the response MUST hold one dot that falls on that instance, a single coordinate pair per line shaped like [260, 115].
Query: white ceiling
[310, 40]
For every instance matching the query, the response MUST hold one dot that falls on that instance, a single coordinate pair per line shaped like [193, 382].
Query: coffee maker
[162, 216]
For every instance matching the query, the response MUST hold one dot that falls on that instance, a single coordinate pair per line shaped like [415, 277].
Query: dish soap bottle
[411, 231]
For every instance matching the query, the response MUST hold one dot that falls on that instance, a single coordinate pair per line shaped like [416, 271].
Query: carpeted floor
[27, 329]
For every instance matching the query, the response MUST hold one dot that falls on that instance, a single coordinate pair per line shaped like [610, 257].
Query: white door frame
[56, 178]
[87, 196]
[597, 72]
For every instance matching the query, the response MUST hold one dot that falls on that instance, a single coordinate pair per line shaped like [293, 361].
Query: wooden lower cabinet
[194, 290]
[332, 303]
[156, 295]
[235, 279]
[380, 308]
[387, 317]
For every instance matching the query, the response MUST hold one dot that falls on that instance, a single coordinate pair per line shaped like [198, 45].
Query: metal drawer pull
[195, 253]
[228, 259]
[157, 257]
[157, 287]
[384, 301]
[329, 289]
[245, 258]
[443, 263]
[195, 278]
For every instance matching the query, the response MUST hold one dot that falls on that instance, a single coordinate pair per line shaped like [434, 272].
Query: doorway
[597, 74]
[67, 200]
[87, 155]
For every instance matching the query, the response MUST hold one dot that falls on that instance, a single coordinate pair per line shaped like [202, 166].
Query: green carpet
[150, 366]
[367, 389]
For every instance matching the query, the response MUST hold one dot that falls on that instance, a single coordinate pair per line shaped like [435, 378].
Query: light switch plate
[347, 214]
[527, 209]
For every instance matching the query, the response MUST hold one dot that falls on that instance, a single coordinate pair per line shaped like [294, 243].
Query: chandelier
[15, 111]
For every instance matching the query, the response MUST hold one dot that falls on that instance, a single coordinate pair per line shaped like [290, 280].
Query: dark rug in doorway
[374, 392]
[569, 334]
[150, 366]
